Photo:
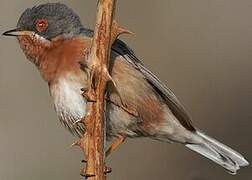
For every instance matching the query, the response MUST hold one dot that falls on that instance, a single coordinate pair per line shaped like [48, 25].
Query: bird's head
[47, 21]
[40, 26]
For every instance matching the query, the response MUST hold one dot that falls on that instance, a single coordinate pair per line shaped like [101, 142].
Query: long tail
[219, 153]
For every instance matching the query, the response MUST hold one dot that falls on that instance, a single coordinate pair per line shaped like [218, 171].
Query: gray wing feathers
[170, 99]
[219, 153]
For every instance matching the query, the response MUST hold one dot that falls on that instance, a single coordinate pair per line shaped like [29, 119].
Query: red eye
[41, 25]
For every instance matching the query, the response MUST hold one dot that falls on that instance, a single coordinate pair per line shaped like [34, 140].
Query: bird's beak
[17, 32]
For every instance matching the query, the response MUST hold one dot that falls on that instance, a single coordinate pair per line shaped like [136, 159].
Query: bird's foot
[84, 161]
[107, 170]
[86, 175]
[89, 94]
[84, 63]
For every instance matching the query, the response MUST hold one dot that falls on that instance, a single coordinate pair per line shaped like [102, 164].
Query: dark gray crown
[61, 19]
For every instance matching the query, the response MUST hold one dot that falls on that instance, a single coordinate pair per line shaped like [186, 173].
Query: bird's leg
[88, 92]
[117, 142]
[84, 63]
[82, 143]
[107, 169]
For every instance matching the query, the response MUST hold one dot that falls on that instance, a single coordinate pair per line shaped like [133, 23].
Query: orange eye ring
[41, 25]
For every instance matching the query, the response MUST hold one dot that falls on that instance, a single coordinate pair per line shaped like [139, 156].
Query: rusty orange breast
[56, 57]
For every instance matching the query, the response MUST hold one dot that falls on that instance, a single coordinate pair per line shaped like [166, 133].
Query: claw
[87, 54]
[84, 161]
[83, 174]
[88, 94]
[108, 170]
[84, 89]
[83, 66]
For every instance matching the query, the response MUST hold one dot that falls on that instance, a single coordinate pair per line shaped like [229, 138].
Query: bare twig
[94, 138]
[96, 65]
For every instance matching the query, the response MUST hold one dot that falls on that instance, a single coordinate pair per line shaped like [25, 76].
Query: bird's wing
[170, 99]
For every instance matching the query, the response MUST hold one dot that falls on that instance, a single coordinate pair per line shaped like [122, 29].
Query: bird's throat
[33, 47]
[56, 57]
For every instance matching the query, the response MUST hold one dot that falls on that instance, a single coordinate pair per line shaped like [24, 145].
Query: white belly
[70, 107]
[69, 104]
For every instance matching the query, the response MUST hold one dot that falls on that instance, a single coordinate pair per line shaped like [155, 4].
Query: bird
[53, 38]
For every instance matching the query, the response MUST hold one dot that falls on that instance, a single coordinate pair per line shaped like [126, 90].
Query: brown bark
[94, 138]
[92, 144]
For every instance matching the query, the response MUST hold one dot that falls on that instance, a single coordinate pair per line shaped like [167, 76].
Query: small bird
[52, 37]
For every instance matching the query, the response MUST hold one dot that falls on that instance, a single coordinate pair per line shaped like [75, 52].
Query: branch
[94, 138]
[96, 65]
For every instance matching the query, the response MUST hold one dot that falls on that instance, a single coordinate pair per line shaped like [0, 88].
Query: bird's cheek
[30, 48]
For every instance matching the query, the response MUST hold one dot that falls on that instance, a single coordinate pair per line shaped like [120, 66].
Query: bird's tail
[219, 153]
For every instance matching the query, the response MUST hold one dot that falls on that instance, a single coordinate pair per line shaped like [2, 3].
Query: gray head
[48, 21]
